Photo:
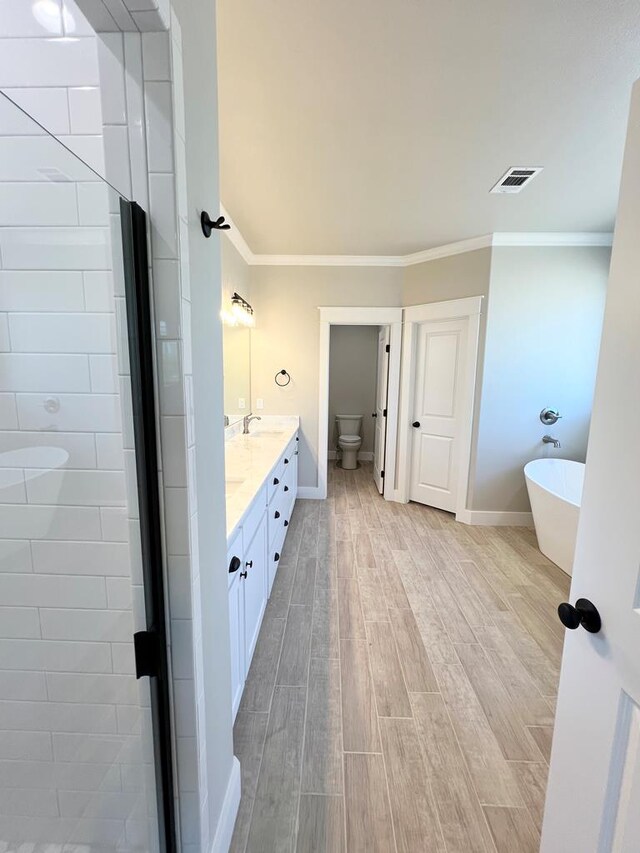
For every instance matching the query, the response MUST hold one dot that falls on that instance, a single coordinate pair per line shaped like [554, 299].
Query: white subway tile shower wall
[72, 761]
[137, 105]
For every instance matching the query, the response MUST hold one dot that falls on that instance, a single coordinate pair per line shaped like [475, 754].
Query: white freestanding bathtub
[555, 492]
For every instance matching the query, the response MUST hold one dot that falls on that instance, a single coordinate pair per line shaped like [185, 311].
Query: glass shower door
[79, 767]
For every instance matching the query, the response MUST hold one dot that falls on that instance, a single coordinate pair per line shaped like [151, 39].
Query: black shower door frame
[151, 644]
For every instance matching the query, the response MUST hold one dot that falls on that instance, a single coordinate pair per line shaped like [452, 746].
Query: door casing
[382, 403]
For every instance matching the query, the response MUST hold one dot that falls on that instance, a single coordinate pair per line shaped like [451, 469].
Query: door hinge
[146, 646]
[384, 413]
[387, 348]
[382, 474]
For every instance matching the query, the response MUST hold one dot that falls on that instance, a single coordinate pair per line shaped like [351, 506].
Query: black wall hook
[208, 224]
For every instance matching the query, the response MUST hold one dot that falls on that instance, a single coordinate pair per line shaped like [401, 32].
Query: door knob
[416, 424]
[584, 613]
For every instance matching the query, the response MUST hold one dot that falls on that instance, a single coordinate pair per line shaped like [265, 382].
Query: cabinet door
[236, 633]
[255, 588]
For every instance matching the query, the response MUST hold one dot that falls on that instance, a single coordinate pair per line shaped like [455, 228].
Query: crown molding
[552, 238]
[329, 260]
[458, 248]
[237, 240]
[499, 239]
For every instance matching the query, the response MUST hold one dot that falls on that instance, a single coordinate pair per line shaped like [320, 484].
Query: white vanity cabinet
[254, 552]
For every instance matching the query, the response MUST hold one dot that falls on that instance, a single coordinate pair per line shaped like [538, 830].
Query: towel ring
[282, 373]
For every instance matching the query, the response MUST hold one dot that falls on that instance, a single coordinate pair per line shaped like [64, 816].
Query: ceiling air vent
[516, 179]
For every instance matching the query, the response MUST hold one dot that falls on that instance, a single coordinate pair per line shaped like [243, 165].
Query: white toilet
[349, 439]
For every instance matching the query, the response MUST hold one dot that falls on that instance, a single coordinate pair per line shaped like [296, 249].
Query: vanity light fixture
[241, 310]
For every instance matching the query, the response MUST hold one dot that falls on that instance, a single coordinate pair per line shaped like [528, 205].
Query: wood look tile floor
[402, 692]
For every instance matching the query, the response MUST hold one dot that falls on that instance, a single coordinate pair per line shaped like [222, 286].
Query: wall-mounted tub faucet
[550, 416]
[547, 439]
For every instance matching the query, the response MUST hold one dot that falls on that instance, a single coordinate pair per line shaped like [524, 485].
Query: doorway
[352, 395]
[438, 389]
[386, 386]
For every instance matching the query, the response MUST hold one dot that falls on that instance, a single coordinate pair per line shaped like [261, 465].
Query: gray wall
[287, 334]
[353, 373]
[453, 277]
[544, 324]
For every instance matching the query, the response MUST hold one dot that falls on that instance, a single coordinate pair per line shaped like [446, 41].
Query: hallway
[402, 692]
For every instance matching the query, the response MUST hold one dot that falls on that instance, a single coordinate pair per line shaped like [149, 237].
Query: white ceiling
[378, 127]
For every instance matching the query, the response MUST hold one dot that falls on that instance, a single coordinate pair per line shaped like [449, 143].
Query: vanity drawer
[274, 555]
[254, 515]
[275, 480]
[286, 463]
[277, 515]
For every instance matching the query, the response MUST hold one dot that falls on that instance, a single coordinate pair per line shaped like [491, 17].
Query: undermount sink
[266, 433]
[231, 485]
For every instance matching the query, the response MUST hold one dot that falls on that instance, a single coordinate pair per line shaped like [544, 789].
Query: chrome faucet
[247, 420]
[548, 440]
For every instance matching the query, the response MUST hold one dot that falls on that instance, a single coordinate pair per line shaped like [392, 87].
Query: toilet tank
[349, 424]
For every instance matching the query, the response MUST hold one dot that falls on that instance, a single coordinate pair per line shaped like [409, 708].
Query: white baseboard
[224, 830]
[363, 455]
[495, 519]
[310, 493]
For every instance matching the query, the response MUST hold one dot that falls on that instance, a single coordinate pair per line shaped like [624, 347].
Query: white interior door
[593, 798]
[438, 412]
[380, 434]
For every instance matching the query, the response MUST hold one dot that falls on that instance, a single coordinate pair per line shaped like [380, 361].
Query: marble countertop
[249, 459]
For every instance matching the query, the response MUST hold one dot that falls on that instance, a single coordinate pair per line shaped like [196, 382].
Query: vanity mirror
[237, 320]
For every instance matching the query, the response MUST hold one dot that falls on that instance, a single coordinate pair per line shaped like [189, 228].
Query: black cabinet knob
[234, 565]
[276, 514]
[286, 488]
[416, 424]
[276, 481]
[276, 557]
[243, 574]
[374, 415]
[249, 565]
[584, 613]
[286, 524]
[286, 461]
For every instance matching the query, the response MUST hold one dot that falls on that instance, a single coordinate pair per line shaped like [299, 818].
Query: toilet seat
[350, 439]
